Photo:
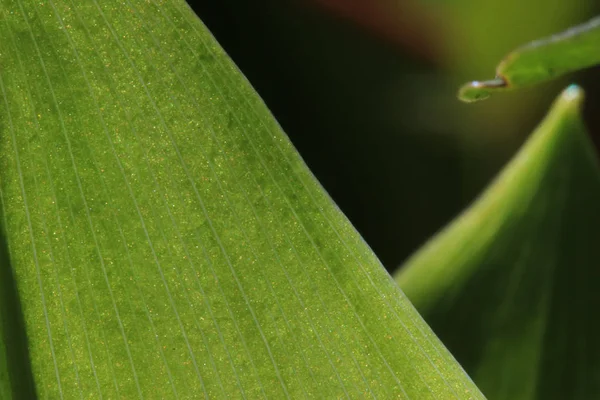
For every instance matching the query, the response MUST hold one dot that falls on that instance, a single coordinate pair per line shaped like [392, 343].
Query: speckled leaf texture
[511, 287]
[162, 237]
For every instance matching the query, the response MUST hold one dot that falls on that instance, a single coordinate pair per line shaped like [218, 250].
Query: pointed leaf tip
[573, 93]
[566, 107]
[543, 60]
[511, 286]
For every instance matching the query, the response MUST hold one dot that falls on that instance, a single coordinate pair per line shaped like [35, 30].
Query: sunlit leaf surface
[165, 239]
[511, 286]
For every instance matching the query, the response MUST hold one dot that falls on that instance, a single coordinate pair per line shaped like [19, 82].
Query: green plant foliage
[541, 60]
[164, 238]
[511, 286]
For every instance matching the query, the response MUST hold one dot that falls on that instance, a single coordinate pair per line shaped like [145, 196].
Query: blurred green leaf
[541, 60]
[165, 239]
[511, 286]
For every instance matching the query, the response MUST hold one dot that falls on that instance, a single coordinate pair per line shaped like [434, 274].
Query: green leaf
[511, 287]
[541, 60]
[165, 238]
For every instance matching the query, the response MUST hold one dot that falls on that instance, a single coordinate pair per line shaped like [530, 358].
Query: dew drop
[480, 90]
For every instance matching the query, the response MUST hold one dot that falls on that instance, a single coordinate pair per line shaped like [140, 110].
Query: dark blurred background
[366, 91]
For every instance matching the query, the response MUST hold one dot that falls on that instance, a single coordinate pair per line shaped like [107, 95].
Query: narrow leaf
[541, 60]
[511, 287]
[166, 239]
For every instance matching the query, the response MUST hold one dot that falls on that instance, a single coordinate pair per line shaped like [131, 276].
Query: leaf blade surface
[167, 240]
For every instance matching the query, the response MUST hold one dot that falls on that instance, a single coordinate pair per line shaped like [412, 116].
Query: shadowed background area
[14, 351]
[366, 90]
